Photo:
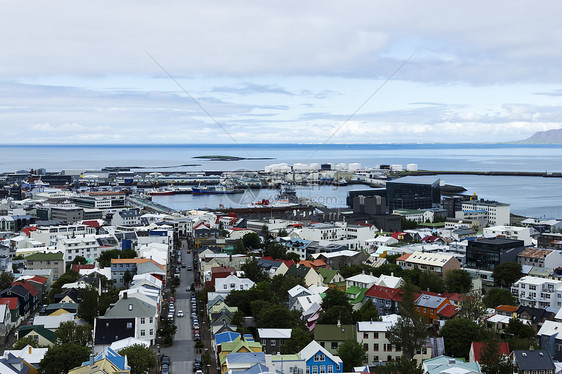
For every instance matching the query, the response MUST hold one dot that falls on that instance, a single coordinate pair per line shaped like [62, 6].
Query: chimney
[30, 348]
[124, 295]
[91, 360]
[339, 323]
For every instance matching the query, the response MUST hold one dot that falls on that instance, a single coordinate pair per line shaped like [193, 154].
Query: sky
[174, 72]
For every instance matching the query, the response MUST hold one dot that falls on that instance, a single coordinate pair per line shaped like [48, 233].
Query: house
[39, 333]
[509, 232]
[57, 309]
[110, 330]
[272, 339]
[232, 283]
[539, 257]
[246, 363]
[23, 296]
[337, 260]
[238, 345]
[373, 336]
[297, 292]
[530, 362]
[135, 266]
[331, 337]
[386, 299]
[6, 324]
[106, 362]
[13, 305]
[538, 292]
[476, 351]
[428, 306]
[32, 356]
[361, 280]
[331, 277]
[15, 365]
[535, 316]
[435, 262]
[309, 275]
[446, 364]
[320, 360]
[145, 315]
[549, 338]
[315, 264]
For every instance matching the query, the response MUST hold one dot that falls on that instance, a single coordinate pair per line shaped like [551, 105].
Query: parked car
[193, 315]
[180, 313]
[183, 266]
[165, 360]
[196, 337]
[165, 369]
[198, 363]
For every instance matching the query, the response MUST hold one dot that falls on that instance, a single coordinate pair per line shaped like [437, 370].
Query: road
[182, 352]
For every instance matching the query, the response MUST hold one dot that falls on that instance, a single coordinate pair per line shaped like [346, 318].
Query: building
[413, 193]
[386, 299]
[101, 200]
[531, 362]
[429, 306]
[487, 253]
[538, 292]
[320, 360]
[509, 232]
[48, 260]
[446, 364]
[373, 336]
[497, 213]
[126, 217]
[68, 215]
[232, 283]
[145, 315]
[49, 234]
[543, 258]
[272, 339]
[331, 337]
[435, 262]
[106, 362]
[550, 240]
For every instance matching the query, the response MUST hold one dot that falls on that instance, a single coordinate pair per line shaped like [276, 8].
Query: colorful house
[429, 306]
[238, 345]
[106, 362]
[320, 360]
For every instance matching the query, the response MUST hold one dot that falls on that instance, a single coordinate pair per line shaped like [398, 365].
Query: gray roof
[534, 360]
[138, 309]
[429, 301]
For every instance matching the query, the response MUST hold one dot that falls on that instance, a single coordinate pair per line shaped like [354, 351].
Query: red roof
[199, 225]
[448, 311]
[12, 302]
[431, 238]
[404, 257]
[38, 279]
[453, 296]
[477, 349]
[286, 262]
[92, 223]
[396, 235]
[27, 286]
[28, 230]
[77, 267]
[387, 293]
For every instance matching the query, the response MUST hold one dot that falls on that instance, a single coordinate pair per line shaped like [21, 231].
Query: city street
[182, 353]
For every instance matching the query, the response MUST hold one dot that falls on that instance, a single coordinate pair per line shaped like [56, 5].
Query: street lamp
[208, 368]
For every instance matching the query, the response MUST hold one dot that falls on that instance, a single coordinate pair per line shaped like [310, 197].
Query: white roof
[376, 326]
[297, 290]
[317, 289]
[363, 278]
[53, 322]
[268, 333]
[313, 347]
[346, 253]
[550, 328]
[537, 281]
[390, 281]
[432, 259]
[29, 354]
[306, 301]
[127, 342]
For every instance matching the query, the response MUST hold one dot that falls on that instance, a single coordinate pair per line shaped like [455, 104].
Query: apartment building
[434, 262]
[497, 213]
[538, 292]
[539, 257]
[49, 234]
[374, 338]
[509, 232]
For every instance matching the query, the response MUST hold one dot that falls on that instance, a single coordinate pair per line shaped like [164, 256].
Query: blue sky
[278, 71]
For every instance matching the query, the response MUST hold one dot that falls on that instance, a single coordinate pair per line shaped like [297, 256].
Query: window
[225, 286]
[151, 332]
[330, 368]
[322, 369]
[142, 333]
[151, 320]
[375, 335]
[130, 307]
[319, 358]
[272, 342]
[365, 347]
[375, 347]
[365, 335]
[315, 370]
[143, 320]
[334, 345]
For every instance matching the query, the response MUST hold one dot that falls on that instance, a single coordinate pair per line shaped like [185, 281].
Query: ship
[205, 190]
[160, 192]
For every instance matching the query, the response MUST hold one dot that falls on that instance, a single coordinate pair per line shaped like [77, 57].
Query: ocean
[529, 196]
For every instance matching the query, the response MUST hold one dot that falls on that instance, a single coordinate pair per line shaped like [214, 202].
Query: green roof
[327, 274]
[40, 256]
[334, 332]
[354, 290]
[293, 357]
[39, 329]
[67, 306]
[359, 298]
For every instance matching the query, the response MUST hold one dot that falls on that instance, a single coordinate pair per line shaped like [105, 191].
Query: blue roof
[256, 369]
[246, 357]
[225, 337]
[115, 358]
[249, 337]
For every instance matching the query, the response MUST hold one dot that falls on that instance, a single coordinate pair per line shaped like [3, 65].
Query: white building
[538, 292]
[232, 283]
[543, 258]
[498, 213]
[86, 246]
[49, 234]
[509, 232]
[374, 338]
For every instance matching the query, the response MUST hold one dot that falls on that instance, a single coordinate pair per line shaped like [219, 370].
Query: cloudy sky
[278, 71]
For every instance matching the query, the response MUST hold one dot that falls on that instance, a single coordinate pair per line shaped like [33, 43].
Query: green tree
[239, 248]
[408, 224]
[238, 320]
[408, 333]
[295, 257]
[281, 284]
[88, 307]
[336, 307]
[407, 307]
[518, 329]
[6, 279]
[79, 260]
[62, 358]
[507, 273]
[498, 296]
[68, 277]
[21, 343]
[70, 332]
[251, 241]
[127, 277]
[472, 308]
[431, 281]
[492, 360]
[458, 334]
[402, 365]
[275, 250]
[352, 354]
[367, 312]
[168, 330]
[106, 256]
[282, 233]
[107, 298]
[254, 271]
[458, 281]
[300, 337]
[243, 299]
[274, 316]
[141, 358]
[350, 271]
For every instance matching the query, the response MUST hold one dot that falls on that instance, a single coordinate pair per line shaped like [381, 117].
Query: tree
[243, 299]
[518, 329]
[275, 250]
[300, 337]
[458, 281]
[293, 256]
[274, 316]
[239, 248]
[127, 277]
[251, 241]
[68, 277]
[402, 365]
[140, 357]
[492, 360]
[281, 284]
[107, 298]
[79, 260]
[282, 233]
[106, 256]
[88, 307]
[498, 296]
[408, 333]
[254, 271]
[336, 307]
[472, 308]
[6, 279]
[70, 332]
[367, 312]
[352, 354]
[507, 273]
[458, 334]
[408, 224]
[431, 281]
[168, 330]
[26, 340]
[62, 358]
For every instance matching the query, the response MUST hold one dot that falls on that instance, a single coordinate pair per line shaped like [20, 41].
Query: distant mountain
[545, 137]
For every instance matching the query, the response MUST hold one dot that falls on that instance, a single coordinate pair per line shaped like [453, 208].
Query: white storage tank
[300, 167]
[341, 166]
[314, 166]
[412, 167]
[396, 167]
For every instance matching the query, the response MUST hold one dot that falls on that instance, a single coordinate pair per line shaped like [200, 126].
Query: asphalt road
[182, 352]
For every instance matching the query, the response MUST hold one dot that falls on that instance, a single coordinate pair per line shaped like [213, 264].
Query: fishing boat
[205, 190]
[160, 192]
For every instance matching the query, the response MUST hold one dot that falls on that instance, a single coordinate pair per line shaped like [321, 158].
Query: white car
[180, 313]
